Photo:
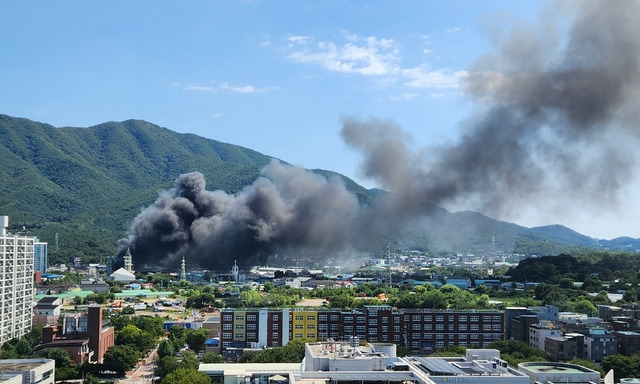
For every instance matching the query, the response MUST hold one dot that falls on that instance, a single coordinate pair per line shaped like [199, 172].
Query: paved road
[144, 371]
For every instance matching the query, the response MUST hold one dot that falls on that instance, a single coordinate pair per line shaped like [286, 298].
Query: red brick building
[85, 338]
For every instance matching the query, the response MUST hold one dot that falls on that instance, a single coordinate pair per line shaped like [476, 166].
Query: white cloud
[371, 56]
[225, 87]
[217, 115]
[199, 88]
[366, 56]
[454, 29]
[404, 96]
[423, 77]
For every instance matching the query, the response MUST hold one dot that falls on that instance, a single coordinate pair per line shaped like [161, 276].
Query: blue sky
[274, 76]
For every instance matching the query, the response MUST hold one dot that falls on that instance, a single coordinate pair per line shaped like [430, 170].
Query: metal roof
[439, 366]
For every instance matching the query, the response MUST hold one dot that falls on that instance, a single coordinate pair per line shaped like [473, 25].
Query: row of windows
[384, 320]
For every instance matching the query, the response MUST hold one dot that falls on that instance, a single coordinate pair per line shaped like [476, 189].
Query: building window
[311, 335]
[440, 318]
[451, 318]
[385, 329]
[475, 327]
[335, 327]
[239, 335]
[322, 317]
[416, 326]
[251, 335]
[226, 335]
[486, 327]
[348, 319]
[322, 327]
[311, 326]
[311, 318]
[385, 320]
[373, 321]
[486, 318]
[274, 327]
[274, 335]
[497, 319]
[439, 336]
[427, 336]
[396, 337]
[415, 318]
[396, 320]
[251, 317]
[360, 328]
[428, 327]
[299, 317]
[360, 319]
[226, 327]
[474, 318]
[239, 317]
[335, 317]
[451, 327]
[439, 344]
[496, 327]
[415, 344]
[348, 329]
[396, 328]
[275, 318]
[385, 338]
[462, 318]
[373, 331]
[298, 335]
[251, 327]
[415, 336]
[428, 318]
[439, 327]
[227, 317]
[239, 326]
[299, 326]
[462, 327]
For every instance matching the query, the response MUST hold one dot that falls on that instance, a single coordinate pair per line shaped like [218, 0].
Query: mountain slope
[87, 184]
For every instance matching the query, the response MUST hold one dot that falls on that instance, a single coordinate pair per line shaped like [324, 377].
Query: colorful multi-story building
[421, 330]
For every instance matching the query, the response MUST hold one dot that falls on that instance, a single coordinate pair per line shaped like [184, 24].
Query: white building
[27, 371]
[16, 282]
[539, 332]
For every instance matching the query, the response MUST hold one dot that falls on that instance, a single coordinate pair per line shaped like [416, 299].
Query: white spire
[183, 271]
[128, 264]
[234, 271]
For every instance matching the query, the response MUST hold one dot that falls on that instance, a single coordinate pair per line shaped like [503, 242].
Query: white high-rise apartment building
[16, 282]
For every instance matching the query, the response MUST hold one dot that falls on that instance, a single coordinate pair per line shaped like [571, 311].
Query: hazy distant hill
[87, 184]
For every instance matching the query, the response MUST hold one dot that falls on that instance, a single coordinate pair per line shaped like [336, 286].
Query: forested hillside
[87, 184]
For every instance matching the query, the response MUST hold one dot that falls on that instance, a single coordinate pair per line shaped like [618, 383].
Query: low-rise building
[27, 371]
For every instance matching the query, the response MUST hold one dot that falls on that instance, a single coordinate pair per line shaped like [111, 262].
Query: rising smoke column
[286, 208]
[558, 123]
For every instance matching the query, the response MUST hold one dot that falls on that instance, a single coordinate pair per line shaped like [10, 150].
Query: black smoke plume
[557, 123]
[286, 208]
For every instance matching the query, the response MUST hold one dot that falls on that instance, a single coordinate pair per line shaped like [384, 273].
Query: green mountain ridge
[88, 184]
